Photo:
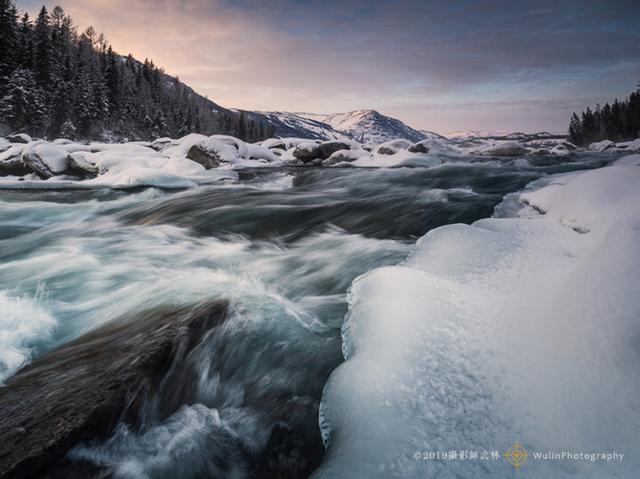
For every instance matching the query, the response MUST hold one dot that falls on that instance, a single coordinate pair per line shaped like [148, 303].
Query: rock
[79, 166]
[419, 148]
[14, 167]
[160, 144]
[392, 147]
[207, 158]
[328, 148]
[307, 152]
[386, 150]
[81, 390]
[541, 152]
[275, 143]
[344, 156]
[569, 145]
[509, 148]
[19, 138]
[45, 160]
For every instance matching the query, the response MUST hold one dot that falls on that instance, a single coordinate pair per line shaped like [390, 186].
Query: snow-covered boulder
[602, 145]
[204, 156]
[259, 152]
[13, 167]
[507, 148]
[420, 147]
[631, 146]
[307, 151]
[345, 157]
[80, 165]
[45, 159]
[328, 148]
[392, 147]
[19, 138]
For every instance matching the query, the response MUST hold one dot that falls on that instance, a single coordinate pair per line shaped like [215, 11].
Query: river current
[281, 245]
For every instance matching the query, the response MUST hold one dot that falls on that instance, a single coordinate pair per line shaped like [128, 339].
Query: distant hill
[364, 126]
[57, 82]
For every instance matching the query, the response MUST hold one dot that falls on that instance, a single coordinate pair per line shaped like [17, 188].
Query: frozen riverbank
[510, 329]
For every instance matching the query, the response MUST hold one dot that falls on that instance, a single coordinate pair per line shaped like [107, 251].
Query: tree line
[616, 122]
[56, 82]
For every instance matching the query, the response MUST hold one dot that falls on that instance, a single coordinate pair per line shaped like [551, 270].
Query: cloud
[394, 56]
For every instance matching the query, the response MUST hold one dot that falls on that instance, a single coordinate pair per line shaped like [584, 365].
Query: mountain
[57, 82]
[299, 126]
[467, 135]
[364, 126]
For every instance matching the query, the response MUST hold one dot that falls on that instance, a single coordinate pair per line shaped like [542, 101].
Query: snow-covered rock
[307, 151]
[601, 145]
[345, 156]
[19, 138]
[45, 159]
[507, 148]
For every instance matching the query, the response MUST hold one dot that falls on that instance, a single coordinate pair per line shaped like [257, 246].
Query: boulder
[14, 167]
[307, 152]
[328, 148]
[19, 138]
[344, 156]
[45, 159]
[387, 150]
[81, 390]
[79, 166]
[509, 148]
[206, 157]
[419, 148]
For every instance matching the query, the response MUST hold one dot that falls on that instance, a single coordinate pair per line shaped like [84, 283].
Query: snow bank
[514, 329]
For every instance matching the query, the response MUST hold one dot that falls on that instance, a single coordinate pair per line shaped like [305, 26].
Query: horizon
[446, 68]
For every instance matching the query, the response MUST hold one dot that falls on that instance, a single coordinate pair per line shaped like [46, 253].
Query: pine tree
[8, 39]
[23, 103]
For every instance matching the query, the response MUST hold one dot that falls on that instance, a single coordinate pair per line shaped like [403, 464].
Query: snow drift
[509, 329]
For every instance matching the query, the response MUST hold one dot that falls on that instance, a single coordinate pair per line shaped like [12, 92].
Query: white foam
[23, 324]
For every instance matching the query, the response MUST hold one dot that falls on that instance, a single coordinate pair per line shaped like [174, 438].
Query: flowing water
[283, 246]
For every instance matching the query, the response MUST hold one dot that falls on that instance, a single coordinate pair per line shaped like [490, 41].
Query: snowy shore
[509, 329]
[196, 159]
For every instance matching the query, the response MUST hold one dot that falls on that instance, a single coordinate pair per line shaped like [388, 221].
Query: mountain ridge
[365, 126]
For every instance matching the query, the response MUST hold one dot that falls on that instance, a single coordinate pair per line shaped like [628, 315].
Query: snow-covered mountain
[501, 135]
[294, 125]
[364, 126]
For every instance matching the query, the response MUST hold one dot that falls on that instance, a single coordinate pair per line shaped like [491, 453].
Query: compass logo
[516, 455]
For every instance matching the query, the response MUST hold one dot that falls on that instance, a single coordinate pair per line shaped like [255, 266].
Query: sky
[442, 66]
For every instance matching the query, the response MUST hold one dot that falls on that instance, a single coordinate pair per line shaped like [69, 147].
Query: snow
[52, 157]
[509, 329]
[601, 145]
[364, 126]
[164, 163]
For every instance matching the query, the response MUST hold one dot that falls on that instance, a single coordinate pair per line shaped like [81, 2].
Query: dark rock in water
[14, 167]
[208, 159]
[307, 152]
[328, 148]
[81, 390]
[419, 148]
